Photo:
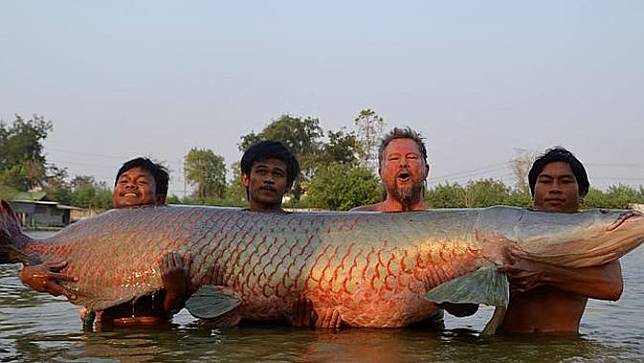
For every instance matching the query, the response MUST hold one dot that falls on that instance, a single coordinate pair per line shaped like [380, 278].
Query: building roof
[30, 196]
[45, 202]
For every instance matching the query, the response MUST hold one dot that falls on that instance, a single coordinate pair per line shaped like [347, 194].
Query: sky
[482, 80]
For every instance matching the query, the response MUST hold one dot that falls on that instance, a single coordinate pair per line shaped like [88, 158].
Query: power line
[617, 178]
[482, 168]
[618, 165]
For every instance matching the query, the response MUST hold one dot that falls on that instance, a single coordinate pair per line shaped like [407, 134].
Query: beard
[408, 195]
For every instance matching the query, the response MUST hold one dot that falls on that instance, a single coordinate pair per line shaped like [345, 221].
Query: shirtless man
[268, 170]
[403, 169]
[139, 183]
[544, 298]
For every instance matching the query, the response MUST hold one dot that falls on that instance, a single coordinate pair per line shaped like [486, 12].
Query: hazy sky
[479, 79]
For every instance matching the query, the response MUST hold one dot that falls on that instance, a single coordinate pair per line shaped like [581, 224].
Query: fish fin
[483, 286]
[12, 240]
[210, 302]
[495, 321]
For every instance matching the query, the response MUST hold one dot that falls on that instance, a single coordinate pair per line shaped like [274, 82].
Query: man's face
[266, 184]
[133, 188]
[556, 189]
[403, 170]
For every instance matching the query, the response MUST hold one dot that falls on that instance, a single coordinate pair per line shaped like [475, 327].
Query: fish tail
[12, 240]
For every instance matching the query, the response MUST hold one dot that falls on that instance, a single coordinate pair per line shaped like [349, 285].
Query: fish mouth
[623, 218]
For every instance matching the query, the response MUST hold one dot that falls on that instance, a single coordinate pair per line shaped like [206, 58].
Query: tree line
[339, 171]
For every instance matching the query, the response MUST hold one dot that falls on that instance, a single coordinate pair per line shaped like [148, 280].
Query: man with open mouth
[403, 169]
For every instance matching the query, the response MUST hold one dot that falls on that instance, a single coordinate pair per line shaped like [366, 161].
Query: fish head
[623, 227]
[588, 238]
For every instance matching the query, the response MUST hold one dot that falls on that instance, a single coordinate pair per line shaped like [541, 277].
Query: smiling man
[547, 299]
[139, 183]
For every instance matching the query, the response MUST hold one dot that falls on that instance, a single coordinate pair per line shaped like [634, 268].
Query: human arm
[598, 282]
[175, 281]
[46, 277]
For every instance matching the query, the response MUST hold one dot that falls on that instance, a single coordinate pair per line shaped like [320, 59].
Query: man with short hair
[268, 170]
[139, 183]
[403, 169]
[545, 298]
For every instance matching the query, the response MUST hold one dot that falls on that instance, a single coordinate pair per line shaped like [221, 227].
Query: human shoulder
[378, 207]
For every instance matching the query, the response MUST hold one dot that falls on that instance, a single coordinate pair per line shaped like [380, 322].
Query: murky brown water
[39, 327]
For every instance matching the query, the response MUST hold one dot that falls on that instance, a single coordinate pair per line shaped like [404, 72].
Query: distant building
[34, 210]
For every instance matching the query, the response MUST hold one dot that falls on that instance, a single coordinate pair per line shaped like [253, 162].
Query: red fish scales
[201, 258]
[250, 271]
[199, 271]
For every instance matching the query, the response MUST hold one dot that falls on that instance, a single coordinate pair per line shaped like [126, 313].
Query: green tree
[446, 196]
[300, 135]
[87, 193]
[518, 198]
[615, 197]
[342, 187]
[475, 194]
[22, 163]
[485, 193]
[342, 148]
[56, 185]
[207, 172]
[235, 191]
[370, 127]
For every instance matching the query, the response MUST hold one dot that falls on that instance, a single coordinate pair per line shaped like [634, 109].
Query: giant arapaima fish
[373, 269]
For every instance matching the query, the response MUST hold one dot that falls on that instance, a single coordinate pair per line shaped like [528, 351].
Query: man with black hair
[544, 298]
[268, 170]
[139, 183]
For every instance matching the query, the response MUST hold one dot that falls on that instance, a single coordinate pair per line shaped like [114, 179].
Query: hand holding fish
[304, 315]
[599, 282]
[174, 277]
[522, 273]
[45, 277]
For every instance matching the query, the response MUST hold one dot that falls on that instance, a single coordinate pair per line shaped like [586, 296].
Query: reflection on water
[39, 327]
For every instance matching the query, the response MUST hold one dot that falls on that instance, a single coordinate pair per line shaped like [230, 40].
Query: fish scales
[373, 269]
